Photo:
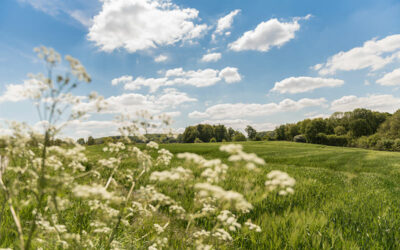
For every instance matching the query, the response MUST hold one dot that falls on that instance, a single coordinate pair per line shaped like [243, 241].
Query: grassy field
[344, 197]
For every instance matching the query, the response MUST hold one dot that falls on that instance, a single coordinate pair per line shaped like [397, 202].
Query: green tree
[190, 134]
[239, 136]
[81, 141]
[315, 127]
[220, 132]
[251, 132]
[90, 141]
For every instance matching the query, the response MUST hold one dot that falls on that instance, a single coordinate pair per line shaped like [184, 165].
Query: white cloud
[177, 76]
[230, 75]
[161, 58]
[390, 79]
[197, 114]
[52, 7]
[383, 103]
[271, 33]
[225, 22]
[56, 7]
[211, 57]
[314, 115]
[302, 84]
[81, 17]
[241, 124]
[240, 110]
[20, 92]
[374, 55]
[132, 102]
[143, 24]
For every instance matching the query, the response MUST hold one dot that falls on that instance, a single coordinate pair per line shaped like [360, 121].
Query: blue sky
[269, 62]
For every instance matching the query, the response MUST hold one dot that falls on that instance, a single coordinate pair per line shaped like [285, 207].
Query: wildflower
[280, 180]
[231, 148]
[231, 197]
[152, 145]
[85, 191]
[228, 220]
[164, 157]
[178, 173]
[223, 235]
[252, 226]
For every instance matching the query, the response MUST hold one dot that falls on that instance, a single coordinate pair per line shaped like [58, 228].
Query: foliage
[59, 197]
[251, 132]
[299, 138]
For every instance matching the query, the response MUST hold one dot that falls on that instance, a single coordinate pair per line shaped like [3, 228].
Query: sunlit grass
[344, 198]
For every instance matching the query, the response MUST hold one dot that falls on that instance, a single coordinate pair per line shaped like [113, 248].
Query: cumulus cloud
[225, 23]
[382, 103]
[161, 58]
[211, 57]
[240, 110]
[373, 55]
[390, 79]
[271, 33]
[230, 75]
[130, 103]
[142, 24]
[20, 92]
[178, 76]
[302, 84]
[241, 124]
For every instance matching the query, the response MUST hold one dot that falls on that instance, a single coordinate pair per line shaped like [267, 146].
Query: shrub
[385, 144]
[396, 145]
[299, 138]
[213, 139]
[336, 140]
[239, 137]
[197, 140]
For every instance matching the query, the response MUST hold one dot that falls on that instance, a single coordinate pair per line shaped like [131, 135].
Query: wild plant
[129, 198]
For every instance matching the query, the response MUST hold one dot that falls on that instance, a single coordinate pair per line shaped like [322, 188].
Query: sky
[233, 62]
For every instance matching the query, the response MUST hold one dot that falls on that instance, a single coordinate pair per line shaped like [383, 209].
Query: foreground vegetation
[121, 195]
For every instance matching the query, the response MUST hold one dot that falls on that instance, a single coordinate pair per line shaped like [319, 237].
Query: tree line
[358, 128]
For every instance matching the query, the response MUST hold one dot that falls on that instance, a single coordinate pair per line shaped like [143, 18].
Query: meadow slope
[344, 197]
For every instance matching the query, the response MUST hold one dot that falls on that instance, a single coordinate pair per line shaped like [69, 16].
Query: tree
[360, 127]
[206, 132]
[340, 130]
[90, 141]
[81, 141]
[220, 133]
[280, 133]
[231, 133]
[315, 127]
[251, 132]
[190, 134]
[239, 136]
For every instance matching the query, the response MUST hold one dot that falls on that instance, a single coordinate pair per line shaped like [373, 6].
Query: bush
[197, 140]
[396, 145]
[239, 137]
[213, 139]
[337, 140]
[385, 144]
[299, 138]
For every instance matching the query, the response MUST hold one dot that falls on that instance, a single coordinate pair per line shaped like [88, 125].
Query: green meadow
[345, 198]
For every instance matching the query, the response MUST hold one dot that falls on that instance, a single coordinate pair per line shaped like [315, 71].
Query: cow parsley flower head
[152, 145]
[281, 181]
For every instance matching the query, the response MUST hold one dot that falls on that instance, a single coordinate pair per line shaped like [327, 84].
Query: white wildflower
[280, 180]
[178, 173]
[152, 145]
[223, 235]
[231, 197]
[252, 226]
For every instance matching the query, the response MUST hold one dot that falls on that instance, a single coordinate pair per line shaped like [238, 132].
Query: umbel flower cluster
[131, 196]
